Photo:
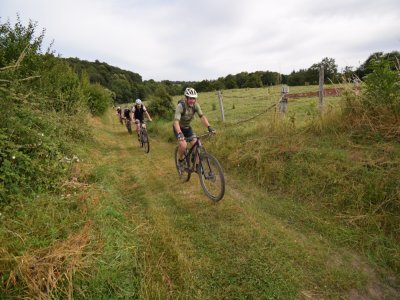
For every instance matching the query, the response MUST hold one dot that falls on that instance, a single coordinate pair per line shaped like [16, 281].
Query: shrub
[382, 87]
[161, 104]
[42, 113]
[99, 99]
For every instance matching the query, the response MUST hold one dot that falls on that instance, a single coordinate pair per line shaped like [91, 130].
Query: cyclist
[138, 111]
[127, 117]
[119, 114]
[184, 113]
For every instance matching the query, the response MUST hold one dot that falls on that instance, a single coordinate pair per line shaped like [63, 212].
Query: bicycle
[144, 138]
[206, 166]
[128, 125]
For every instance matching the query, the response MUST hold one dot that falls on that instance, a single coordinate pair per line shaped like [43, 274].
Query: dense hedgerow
[43, 112]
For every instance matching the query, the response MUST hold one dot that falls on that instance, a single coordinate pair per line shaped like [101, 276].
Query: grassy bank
[125, 227]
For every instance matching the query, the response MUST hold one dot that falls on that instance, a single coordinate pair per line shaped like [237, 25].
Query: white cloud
[195, 40]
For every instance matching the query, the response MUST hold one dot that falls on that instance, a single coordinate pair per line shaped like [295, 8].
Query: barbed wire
[251, 118]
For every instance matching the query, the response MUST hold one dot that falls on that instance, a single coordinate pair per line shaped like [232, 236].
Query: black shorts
[187, 133]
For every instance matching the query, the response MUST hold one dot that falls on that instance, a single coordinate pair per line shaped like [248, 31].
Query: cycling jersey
[138, 113]
[184, 113]
[126, 113]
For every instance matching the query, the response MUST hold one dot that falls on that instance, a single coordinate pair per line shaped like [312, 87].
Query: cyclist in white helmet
[184, 113]
[138, 111]
[119, 114]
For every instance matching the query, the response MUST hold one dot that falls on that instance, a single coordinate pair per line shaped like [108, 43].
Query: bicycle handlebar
[207, 134]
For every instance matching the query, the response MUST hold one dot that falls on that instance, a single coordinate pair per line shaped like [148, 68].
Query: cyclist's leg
[137, 123]
[192, 141]
[181, 143]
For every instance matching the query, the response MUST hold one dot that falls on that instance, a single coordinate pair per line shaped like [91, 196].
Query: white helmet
[138, 102]
[190, 92]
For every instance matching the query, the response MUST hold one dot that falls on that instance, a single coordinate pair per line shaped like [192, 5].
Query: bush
[42, 113]
[161, 104]
[99, 99]
[382, 87]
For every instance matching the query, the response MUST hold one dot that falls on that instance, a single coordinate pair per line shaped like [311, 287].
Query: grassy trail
[164, 239]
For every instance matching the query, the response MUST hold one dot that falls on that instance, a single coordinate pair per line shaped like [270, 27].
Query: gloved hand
[180, 136]
[210, 129]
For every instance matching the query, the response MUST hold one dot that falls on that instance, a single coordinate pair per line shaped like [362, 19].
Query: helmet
[138, 102]
[190, 92]
[119, 107]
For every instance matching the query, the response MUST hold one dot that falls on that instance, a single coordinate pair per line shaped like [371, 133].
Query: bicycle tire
[211, 177]
[145, 141]
[129, 127]
[184, 173]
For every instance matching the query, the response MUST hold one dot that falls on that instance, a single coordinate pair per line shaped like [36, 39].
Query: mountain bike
[128, 125]
[144, 138]
[206, 166]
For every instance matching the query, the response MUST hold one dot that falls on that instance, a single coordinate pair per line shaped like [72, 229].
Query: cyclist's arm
[204, 120]
[177, 126]
[148, 115]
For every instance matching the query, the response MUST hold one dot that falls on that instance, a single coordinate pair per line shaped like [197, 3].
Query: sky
[194, 40]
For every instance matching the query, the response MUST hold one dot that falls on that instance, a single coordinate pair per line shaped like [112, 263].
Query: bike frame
[195, 149]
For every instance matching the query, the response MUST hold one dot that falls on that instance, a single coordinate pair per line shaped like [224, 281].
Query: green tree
[253, 80]
[161, 104]
[230, 82]
[330, 69]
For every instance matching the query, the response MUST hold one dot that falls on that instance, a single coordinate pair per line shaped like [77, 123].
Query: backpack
[182, 103]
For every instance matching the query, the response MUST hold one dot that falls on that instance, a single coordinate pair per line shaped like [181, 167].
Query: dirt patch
[331, 92]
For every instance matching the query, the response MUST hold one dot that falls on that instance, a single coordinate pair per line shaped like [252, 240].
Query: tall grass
[344, 162]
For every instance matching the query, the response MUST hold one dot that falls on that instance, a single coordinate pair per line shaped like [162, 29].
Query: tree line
[126, 85]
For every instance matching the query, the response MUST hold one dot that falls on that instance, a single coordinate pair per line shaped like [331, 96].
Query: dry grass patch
[48, 273]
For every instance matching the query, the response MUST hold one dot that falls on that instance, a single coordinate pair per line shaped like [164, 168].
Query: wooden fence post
[221, 106]
[321, 89]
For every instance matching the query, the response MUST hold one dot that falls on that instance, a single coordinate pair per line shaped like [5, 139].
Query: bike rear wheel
[183, 170]
[211, 177]
[129, 127]
[144, 138]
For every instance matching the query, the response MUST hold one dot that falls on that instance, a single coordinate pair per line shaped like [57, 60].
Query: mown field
[302, 217]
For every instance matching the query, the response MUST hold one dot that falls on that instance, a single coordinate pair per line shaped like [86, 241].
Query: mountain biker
[119, 113]
[128, 118]
[184, 113]
[138, 111]
[127, 114]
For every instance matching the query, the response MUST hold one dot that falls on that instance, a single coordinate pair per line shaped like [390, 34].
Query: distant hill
[125, 84]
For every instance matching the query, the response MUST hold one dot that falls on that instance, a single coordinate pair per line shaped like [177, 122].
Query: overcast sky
[206, 39]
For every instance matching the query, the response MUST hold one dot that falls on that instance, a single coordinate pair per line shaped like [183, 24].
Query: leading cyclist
[184, 113]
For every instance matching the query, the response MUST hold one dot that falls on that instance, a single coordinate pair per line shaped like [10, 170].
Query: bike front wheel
[211, 177]
[145, 141]
[183, 169]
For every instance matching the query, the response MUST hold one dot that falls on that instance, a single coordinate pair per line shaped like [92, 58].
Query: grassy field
[242, 104]
[124, 227]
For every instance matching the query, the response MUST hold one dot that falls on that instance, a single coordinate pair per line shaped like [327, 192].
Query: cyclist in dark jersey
[119, 114]
[184, 113]
[138, 112]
